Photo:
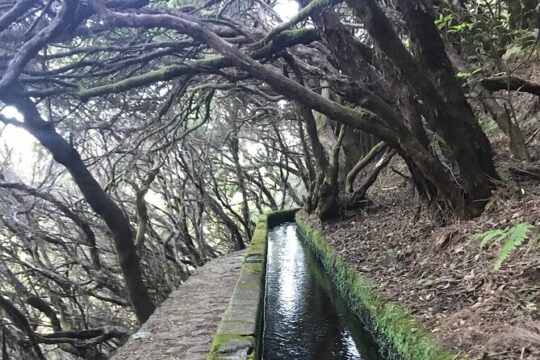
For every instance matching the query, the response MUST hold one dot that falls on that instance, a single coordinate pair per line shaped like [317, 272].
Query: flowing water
[304, 317]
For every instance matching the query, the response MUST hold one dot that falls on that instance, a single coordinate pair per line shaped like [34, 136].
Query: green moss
[163, 74]
[249, 284]
[391, 322]
[248, 294]
[238, 321]
[293, 35]
[281, 216]
[256, 249]
[257, 246]
[252, 268]
[221, 341]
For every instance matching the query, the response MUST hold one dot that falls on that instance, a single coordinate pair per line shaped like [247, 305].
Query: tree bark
[355, 62]
[142, 208]
[359, 194]
[117, 222]
[376, 150]
[502, 117]
[452, 116]
[510, 83]
[22, 322]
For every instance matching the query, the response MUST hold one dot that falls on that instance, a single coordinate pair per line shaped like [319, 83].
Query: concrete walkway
[183, 326]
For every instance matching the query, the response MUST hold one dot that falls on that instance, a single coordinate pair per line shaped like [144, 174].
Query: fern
[488, 236]
[513, 237]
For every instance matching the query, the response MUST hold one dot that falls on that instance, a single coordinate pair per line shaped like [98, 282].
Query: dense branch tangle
[171, 126]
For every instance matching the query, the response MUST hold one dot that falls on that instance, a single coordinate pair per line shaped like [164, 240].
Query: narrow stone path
[183, 326]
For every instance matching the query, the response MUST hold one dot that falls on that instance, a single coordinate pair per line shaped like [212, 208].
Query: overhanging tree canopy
[220, 108]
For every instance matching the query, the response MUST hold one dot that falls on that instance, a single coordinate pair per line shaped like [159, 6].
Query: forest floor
[184, 325]
[436, 267]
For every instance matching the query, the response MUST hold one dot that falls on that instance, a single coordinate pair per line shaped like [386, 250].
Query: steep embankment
[443, 276]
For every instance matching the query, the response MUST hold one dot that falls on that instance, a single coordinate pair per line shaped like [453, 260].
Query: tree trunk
[518, 147]
[359, 194]
[328, 191]
[452, 116]
[101, 203]
[351, 57]
[329, 204]
[376, 150]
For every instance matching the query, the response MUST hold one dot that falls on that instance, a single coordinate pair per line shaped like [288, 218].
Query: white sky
[286, 9]
[20, 142]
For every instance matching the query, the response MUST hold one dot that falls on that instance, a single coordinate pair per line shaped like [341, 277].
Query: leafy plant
[480, 34]
[512, 237]
[447, 22]
[468, 74]
[460, 27]
[443, 21]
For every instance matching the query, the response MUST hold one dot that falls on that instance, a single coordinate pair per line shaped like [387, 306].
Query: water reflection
[291, 258]
[304, 319]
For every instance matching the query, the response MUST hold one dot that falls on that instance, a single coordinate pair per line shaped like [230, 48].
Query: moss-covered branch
[212, 65]
[301, 15]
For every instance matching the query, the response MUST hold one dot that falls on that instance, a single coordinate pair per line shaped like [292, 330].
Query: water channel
[304, 317]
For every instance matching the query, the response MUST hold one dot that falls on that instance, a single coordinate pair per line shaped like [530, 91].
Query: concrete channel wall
[397, 333]
[239, 332]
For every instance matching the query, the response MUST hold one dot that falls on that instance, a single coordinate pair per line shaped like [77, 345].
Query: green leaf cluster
[467, 74]
[446, 22]
[479, 33]
[511, 238]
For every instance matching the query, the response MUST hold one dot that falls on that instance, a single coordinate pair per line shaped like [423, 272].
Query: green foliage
[251, 280]
[467, 74]
[512, 237]
[460, 27]
[480, 34]
[444, 21]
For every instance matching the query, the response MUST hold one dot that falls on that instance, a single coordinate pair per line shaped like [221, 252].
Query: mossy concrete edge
[400, 335]
[238, 334]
